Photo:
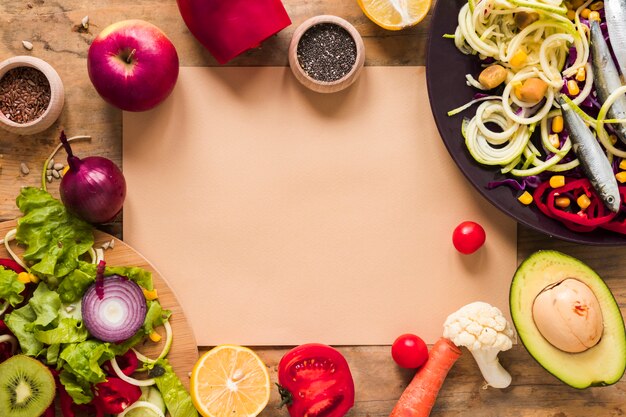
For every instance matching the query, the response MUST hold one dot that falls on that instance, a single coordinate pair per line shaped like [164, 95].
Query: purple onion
[119, 314]
[509, 182]
[93, 188]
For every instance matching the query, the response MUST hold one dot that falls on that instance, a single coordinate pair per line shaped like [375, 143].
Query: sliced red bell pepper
[594, 215]
[114, 395]
[11, 264]
[540, 195]
[128, 364]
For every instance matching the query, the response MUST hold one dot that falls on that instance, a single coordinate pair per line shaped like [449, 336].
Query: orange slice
[230, 381]
[395, 14]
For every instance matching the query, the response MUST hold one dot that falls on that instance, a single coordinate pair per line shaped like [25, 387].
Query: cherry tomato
[409, 351]
[315, 381]
[468, 237]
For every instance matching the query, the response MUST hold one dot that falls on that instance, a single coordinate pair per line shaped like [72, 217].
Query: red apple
[133, 65]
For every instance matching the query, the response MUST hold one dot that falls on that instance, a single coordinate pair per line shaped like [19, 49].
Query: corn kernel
[594, 16]
[585, 13]
[557, 124]
[150, 294]
[577, 3]
[583, 201]
[526, 198]
[557, 181]
[554, 140]
[622, 164]
[519, 58]
[562, 202]
[581, 74]
[571, 15]
[621, 176]
[613, 139]
[572, 87]
[65, 169]
[24, 277]
[599, 5]
[155, 337]
[34, 278]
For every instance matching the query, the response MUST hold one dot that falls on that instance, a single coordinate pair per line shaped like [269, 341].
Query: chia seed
[326, 52]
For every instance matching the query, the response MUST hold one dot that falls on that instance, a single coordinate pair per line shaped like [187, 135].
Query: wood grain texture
[51, 26]
[184, 351]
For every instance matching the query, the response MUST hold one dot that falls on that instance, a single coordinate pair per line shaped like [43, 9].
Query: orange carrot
[419, 396]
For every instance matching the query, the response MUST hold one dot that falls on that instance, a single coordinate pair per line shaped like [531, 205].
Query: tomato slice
[315, 381]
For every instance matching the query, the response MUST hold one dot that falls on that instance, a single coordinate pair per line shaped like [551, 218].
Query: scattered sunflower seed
[58, 166]
[48, 172]
[27, 45]
[49, 178]
[24, 168]
[56, 174]
[69, 308]
[50, 164]
[106, 245]
[85, 22]
[112, 244]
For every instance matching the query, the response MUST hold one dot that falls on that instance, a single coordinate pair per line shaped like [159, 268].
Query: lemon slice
[230, 381]
[395, 14]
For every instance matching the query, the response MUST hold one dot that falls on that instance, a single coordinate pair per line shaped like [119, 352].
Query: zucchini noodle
[500, 131]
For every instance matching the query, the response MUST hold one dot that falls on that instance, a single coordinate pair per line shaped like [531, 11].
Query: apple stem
[130, 56]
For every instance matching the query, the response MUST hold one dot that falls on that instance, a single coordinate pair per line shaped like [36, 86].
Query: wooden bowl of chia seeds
[31, 95]
[326, 53]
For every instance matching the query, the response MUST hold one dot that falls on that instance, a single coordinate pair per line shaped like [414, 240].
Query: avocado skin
[609, 355]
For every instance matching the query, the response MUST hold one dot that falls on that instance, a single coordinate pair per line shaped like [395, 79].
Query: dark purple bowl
[445, 74]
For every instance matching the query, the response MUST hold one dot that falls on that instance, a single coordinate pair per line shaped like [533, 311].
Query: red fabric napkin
[228, 28]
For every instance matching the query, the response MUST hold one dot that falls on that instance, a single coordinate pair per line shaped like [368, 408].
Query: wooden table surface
[51, 26]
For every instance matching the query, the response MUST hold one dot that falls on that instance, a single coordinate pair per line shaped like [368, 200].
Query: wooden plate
[184, 351]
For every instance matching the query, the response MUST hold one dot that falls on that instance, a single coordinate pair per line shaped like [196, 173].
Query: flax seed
[24, 94]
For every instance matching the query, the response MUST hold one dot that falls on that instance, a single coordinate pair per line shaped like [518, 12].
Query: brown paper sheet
[281, 216]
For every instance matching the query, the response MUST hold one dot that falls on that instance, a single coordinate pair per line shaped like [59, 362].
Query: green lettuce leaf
[76, 283]
[68, 331]
[155, 316]
[84, 359]
[177, 399]
[54, 238]
[140, 276]
[79, 390]
[19, 322]
[46, 305]
[10, 287]
[52, 354]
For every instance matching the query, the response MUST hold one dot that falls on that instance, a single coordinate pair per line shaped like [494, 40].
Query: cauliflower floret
[485, 332]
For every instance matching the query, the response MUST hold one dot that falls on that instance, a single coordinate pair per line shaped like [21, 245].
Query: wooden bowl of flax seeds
[31, 95]
[326, 53]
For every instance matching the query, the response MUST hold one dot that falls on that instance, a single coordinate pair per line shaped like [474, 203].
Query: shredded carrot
[419, 396]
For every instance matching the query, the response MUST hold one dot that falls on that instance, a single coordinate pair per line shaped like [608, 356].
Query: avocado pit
[568, 316]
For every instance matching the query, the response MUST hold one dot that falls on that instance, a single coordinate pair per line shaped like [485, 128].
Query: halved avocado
[602, 364]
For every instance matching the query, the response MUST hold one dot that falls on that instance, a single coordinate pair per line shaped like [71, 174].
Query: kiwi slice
[26, 387]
